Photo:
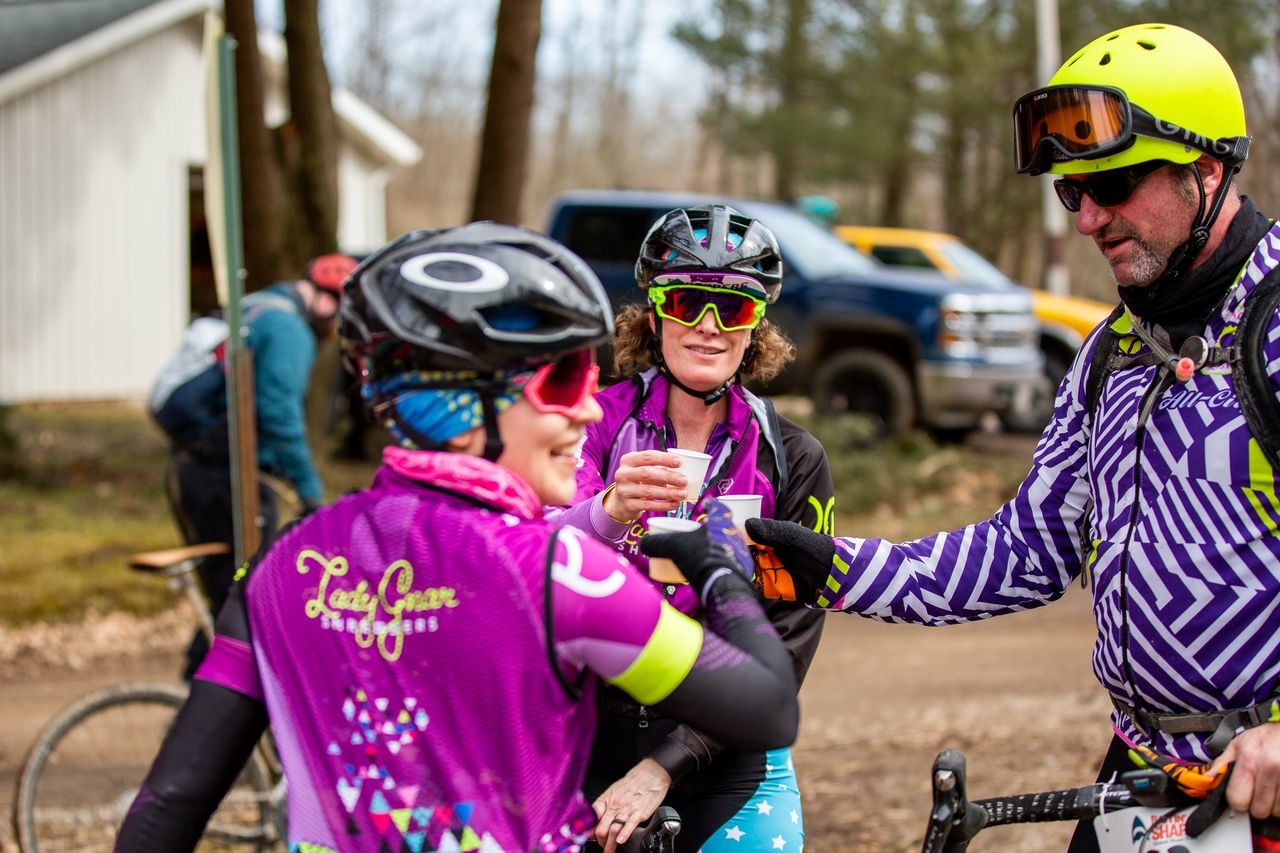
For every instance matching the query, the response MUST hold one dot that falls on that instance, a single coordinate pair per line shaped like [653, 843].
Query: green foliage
[870, 95]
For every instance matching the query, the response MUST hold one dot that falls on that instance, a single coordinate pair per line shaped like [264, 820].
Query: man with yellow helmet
[1148, 101]
[1155, 478]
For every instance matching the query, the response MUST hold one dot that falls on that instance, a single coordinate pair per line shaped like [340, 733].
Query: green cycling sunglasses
[686, 304]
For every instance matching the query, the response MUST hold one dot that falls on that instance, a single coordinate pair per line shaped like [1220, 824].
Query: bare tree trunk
[373, 69]
[504, 142]
[315, 132]
[902, 155]
[261, 184]
[621, 46]
[794, 55]
[563, 136]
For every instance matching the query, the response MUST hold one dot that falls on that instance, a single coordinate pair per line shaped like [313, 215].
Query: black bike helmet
[461, 306]
[711, 238]
[481, 297]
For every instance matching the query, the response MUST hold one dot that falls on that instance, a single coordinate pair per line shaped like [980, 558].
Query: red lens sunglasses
[564, 386]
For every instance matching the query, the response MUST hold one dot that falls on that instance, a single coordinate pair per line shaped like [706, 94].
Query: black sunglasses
[1108, 188]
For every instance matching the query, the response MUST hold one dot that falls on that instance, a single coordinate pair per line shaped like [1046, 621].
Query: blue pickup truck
[897, 347]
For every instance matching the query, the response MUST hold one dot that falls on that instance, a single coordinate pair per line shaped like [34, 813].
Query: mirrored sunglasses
[1107, 189]
[687, 304]
[564, 386]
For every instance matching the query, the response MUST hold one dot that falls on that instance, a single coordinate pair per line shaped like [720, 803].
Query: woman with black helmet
[426, 650]
[709, 273]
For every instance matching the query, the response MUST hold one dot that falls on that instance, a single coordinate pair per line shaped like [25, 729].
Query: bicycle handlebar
[955, 820]
[1084, 803]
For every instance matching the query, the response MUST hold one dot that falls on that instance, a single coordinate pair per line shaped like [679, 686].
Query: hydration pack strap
[1253, 385]
[1225, 725]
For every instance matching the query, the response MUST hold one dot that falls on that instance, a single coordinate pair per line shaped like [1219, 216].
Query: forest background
[898, 109]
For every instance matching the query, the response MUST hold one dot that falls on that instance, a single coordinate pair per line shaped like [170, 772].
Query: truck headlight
[991, 327]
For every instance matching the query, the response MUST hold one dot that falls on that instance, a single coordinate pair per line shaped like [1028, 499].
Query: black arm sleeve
[211, 739]
[748, 700]
[685, 750]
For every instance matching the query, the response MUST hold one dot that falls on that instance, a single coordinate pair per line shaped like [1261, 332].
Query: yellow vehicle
[1065, 321]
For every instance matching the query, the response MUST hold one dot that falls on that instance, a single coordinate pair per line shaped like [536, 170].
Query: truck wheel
[869, 386]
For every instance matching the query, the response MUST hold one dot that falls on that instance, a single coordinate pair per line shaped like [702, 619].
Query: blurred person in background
[282, 324]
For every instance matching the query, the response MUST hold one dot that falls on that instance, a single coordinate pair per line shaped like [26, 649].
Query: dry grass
[87, 492]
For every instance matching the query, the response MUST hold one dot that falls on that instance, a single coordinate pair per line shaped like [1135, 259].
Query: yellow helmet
[1141, 93]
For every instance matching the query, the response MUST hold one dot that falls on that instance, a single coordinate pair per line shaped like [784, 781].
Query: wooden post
[244, 477]
[241, 409]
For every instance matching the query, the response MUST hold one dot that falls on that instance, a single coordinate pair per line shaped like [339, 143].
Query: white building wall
[93, 221]
[362, 196]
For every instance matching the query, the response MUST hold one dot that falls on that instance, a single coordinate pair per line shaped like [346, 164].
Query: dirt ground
[1014, 694]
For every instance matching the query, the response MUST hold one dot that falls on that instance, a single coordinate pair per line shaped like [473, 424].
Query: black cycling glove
[802, 553]
[704, 554]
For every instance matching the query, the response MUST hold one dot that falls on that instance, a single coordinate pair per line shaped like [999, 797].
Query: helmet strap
[492, 440]
[1185, 255]
[708, 398]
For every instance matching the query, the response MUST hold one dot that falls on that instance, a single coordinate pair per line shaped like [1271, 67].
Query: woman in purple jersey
[426, 650]
[708, 274]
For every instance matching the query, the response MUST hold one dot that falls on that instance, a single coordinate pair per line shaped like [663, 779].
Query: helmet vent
[1146, 45]
[1105, 60]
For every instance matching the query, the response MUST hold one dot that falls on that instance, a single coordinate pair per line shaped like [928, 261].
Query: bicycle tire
[80, 776]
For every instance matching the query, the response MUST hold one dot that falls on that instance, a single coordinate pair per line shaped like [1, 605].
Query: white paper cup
[660, 568]
[694, 464]
[742, 507]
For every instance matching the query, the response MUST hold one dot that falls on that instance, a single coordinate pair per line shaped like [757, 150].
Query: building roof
[42, 40]
[52, 38]
[32, 28]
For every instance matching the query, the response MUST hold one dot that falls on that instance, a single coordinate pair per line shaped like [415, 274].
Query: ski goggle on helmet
[1141, 93]
[686, 299]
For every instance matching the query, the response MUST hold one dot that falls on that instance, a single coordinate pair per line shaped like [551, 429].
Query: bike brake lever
[948, 800]
[655, 834]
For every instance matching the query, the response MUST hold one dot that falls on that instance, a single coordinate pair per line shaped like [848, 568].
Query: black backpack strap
[1100, 365]
[773, 440]
[1253, 385]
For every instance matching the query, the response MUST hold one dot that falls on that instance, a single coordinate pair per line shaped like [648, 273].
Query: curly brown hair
[633, 341]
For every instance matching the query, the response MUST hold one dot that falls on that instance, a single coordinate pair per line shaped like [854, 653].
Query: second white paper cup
[694, 464]
[660, 568]
[742, 507]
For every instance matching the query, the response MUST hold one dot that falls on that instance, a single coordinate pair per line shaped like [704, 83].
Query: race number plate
[1140, 829]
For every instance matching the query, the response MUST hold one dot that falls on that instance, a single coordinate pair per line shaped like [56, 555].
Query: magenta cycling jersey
[395, 674]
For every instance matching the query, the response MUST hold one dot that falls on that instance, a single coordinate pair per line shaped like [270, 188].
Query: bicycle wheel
[81, 775]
